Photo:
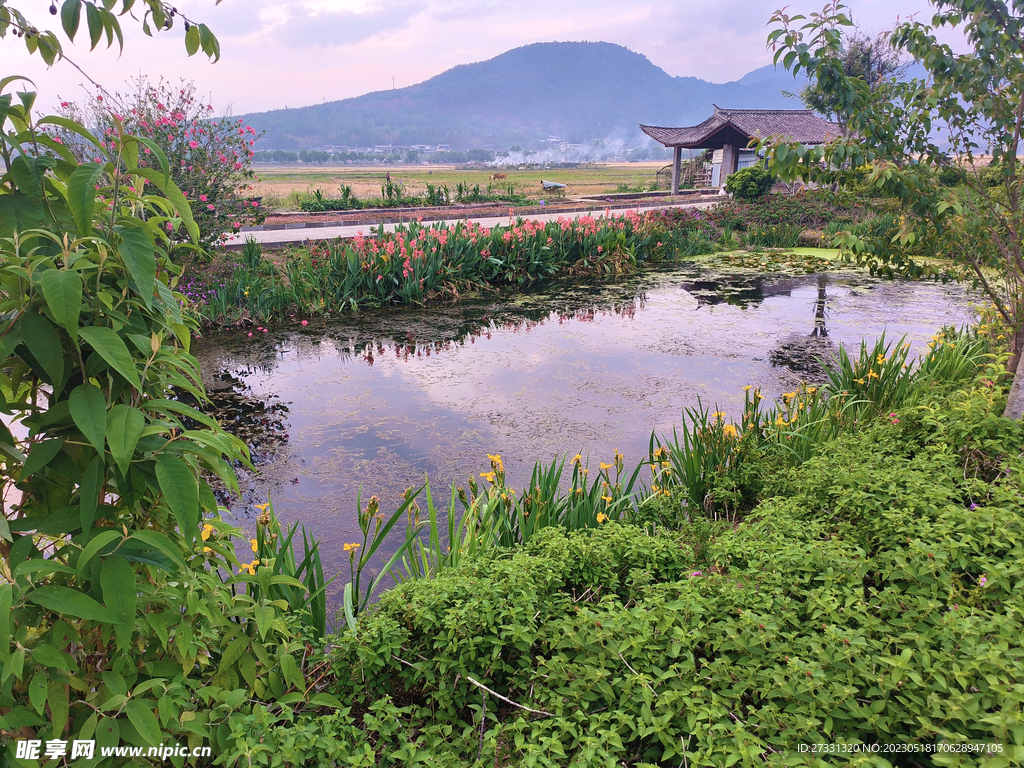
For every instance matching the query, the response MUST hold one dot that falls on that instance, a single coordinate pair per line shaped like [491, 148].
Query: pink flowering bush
[210, 157]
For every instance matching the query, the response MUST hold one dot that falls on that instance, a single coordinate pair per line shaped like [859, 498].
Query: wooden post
[677, 157]
[730, 159]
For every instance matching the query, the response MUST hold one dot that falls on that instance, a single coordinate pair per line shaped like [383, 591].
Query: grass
[288, 186]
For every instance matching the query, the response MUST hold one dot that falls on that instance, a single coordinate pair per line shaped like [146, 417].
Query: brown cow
[498, 176]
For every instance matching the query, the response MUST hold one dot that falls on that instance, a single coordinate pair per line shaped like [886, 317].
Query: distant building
[730, 131]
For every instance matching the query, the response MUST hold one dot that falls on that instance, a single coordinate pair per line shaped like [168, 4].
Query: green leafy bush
[877, 602]
[122, 615]
[749, 183]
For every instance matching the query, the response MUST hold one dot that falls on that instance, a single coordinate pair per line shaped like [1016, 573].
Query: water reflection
[376, 400]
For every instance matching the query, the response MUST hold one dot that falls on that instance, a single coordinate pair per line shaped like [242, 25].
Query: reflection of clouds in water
[518, 379]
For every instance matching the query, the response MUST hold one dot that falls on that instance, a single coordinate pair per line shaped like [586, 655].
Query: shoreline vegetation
[423, 263]
[809, 572]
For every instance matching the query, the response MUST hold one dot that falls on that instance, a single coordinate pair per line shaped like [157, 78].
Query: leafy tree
[210, 158]
[971, 100]
[873, 60]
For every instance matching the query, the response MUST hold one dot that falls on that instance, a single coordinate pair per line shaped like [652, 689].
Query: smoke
[553, 152]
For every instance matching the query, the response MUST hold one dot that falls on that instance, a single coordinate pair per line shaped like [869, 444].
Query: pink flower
[250, 334]
[255, 204]
[305, 322]
[65, 103]
[696, 573]
[203, 198]
[193, 144]
[211, 207]
[982, 581]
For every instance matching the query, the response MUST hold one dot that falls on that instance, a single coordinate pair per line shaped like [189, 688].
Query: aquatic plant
[420, 263]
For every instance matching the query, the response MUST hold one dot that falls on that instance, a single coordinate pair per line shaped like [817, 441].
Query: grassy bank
[870, 595]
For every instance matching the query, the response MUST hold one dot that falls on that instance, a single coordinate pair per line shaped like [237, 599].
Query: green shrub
[878, 602]
[749, 183]
[124, 610]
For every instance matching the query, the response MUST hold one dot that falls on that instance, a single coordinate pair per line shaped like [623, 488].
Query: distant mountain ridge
[577, 91]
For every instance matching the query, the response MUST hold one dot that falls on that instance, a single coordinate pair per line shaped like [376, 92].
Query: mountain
[577, 91]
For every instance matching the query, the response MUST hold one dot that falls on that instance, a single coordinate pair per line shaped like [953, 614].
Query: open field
[277, 183]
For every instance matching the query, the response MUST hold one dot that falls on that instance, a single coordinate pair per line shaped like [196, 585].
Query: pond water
[374, 401]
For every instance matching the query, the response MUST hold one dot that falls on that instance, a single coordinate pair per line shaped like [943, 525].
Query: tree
[873, 60]
[895, 143]
[210, 157]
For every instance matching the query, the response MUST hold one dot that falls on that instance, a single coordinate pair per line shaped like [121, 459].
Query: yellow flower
[607, 499]
[811, 390]
[207, 531]
[747, 388]
[207, 550]
[496, 459]
[255, 546]
[729, 430]
[262, 507]
[858, 381]
[488, 476]
[872, 375]
[351, 547]
[577, 459]
[718, 415]
[880, 359]
[606, 466]
[601, 517]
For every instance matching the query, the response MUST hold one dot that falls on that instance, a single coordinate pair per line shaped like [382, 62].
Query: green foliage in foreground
[877, 599]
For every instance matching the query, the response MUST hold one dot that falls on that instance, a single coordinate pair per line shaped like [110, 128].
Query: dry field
[277, 183]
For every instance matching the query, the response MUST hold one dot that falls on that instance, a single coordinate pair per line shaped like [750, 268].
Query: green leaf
[264, 615]
[43, 342]
[137, 252]
[63, 293]
[57, 698]
[141, 716]
[161, 543]
[18, 213]
[89, 491]
[5, 621]
[124, 428]
[192, 40]
[89, 412]
[180, 488]
[291, 671]
[37, 691]
[112, 348]
[41, 454]
[70, 15]
[82, 193]
[119, 593]
[325, 700]
[70, 602]
[49, 656]
[100, 540]
[95, 21]
[173, 194]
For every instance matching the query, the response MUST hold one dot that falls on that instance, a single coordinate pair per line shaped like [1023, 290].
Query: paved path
[281, 237]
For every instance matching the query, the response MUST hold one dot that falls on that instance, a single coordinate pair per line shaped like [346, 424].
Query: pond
[372, 402]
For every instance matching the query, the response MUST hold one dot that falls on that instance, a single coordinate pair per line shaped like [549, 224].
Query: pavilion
[729, 130]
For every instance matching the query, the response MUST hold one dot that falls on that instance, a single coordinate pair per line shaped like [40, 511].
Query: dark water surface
[375, 400]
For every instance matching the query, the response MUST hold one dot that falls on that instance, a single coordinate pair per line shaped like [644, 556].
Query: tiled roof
[800, 125]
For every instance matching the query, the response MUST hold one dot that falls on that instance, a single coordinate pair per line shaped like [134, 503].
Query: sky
[292, 53]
